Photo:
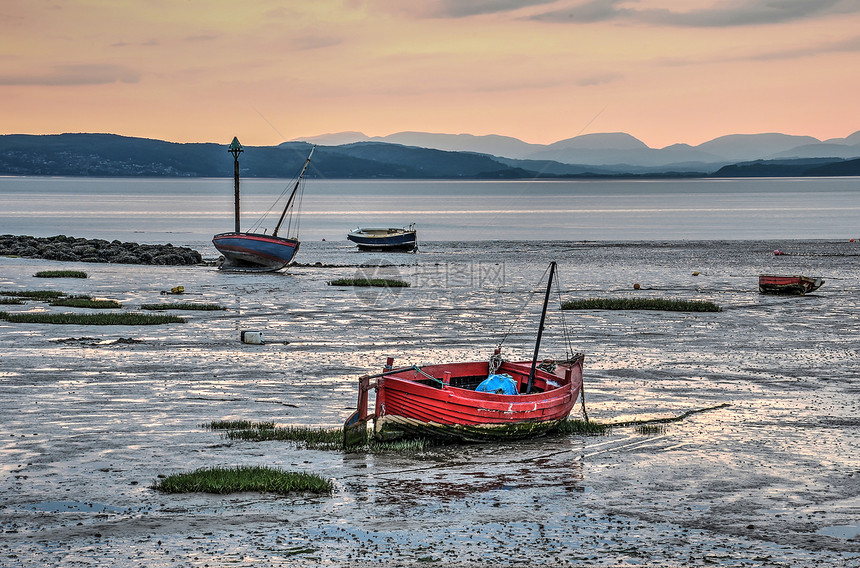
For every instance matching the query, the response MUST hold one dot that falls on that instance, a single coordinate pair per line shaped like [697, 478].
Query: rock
[71, 249]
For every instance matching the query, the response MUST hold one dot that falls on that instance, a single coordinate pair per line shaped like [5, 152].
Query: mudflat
[92, 415]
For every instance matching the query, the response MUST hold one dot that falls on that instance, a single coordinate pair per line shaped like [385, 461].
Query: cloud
[850, 45]
[598, 79]
[203, 37]
[722, 13]
[465, 8]
[588, 12]
[456, 8]
[72, 75]
[313, 41]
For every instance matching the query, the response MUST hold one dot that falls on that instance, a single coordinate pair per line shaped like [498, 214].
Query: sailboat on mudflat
[251, 251]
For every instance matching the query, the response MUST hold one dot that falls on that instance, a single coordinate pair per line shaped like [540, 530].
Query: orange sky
[664, 71]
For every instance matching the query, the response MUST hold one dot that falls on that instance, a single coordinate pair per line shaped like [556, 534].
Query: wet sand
[773, 479]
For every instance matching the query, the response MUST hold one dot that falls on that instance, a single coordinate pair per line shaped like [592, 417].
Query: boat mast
[235, 148]
[293, 194]
[540, 328]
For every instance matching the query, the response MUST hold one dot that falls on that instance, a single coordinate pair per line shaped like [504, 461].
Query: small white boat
[381, 239]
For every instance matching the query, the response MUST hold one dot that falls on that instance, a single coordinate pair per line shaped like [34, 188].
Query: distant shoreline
[107, 155]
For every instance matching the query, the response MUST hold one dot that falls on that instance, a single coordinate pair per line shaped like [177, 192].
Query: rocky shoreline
[71, 249]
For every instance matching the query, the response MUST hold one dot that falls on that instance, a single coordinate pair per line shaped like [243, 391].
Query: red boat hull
[409, 404]
[796, 285]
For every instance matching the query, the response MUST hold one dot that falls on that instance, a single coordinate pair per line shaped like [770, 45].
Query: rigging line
[280, 197]
[258, 223]
[298, 207]
[267, 121]
[564, 330]
[262, 218]
[523, 307]
[590, 121]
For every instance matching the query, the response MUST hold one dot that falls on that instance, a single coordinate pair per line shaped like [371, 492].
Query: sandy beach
[93, 415]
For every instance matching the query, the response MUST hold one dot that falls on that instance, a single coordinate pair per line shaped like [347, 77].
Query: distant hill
[821, 167]
[109, 155]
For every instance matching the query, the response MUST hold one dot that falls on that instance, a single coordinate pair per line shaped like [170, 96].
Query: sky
[267, 71]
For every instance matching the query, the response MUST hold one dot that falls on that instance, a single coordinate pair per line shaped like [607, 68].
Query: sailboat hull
[254, 251]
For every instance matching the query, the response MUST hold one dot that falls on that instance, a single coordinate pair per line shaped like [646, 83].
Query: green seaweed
[651, 429]
[236, 479]
[182, 306]
[581, 427]
[311, 438]
[33, 294]
[91, 319]
[640, 304]
[85, 302]
[236, 425]
[378, 282]
[60, 274]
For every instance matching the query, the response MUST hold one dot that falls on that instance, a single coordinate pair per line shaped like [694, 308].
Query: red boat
[441, 401]
[797, 285]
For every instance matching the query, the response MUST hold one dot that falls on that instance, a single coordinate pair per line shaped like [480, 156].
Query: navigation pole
[235, 149]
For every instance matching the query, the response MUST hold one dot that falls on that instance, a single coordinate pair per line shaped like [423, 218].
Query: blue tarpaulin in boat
[499, 384]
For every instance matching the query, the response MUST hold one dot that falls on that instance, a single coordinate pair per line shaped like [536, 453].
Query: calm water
[189, 212]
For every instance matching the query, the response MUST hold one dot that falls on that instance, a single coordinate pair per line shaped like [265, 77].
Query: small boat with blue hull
[255, 251]
[382, 239]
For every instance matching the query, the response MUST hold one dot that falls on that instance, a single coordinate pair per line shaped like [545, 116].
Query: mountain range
[619, 151]
[416, 155]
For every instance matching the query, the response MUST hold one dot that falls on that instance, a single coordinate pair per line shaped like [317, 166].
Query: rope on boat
[582, 400]
[431, 377]
[495, 363]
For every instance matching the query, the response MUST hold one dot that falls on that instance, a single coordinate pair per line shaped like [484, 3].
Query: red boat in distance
[792, 285]
[448, 401]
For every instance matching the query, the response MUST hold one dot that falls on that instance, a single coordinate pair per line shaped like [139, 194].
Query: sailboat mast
[293, 194]
[235, 148]
[540, 328]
